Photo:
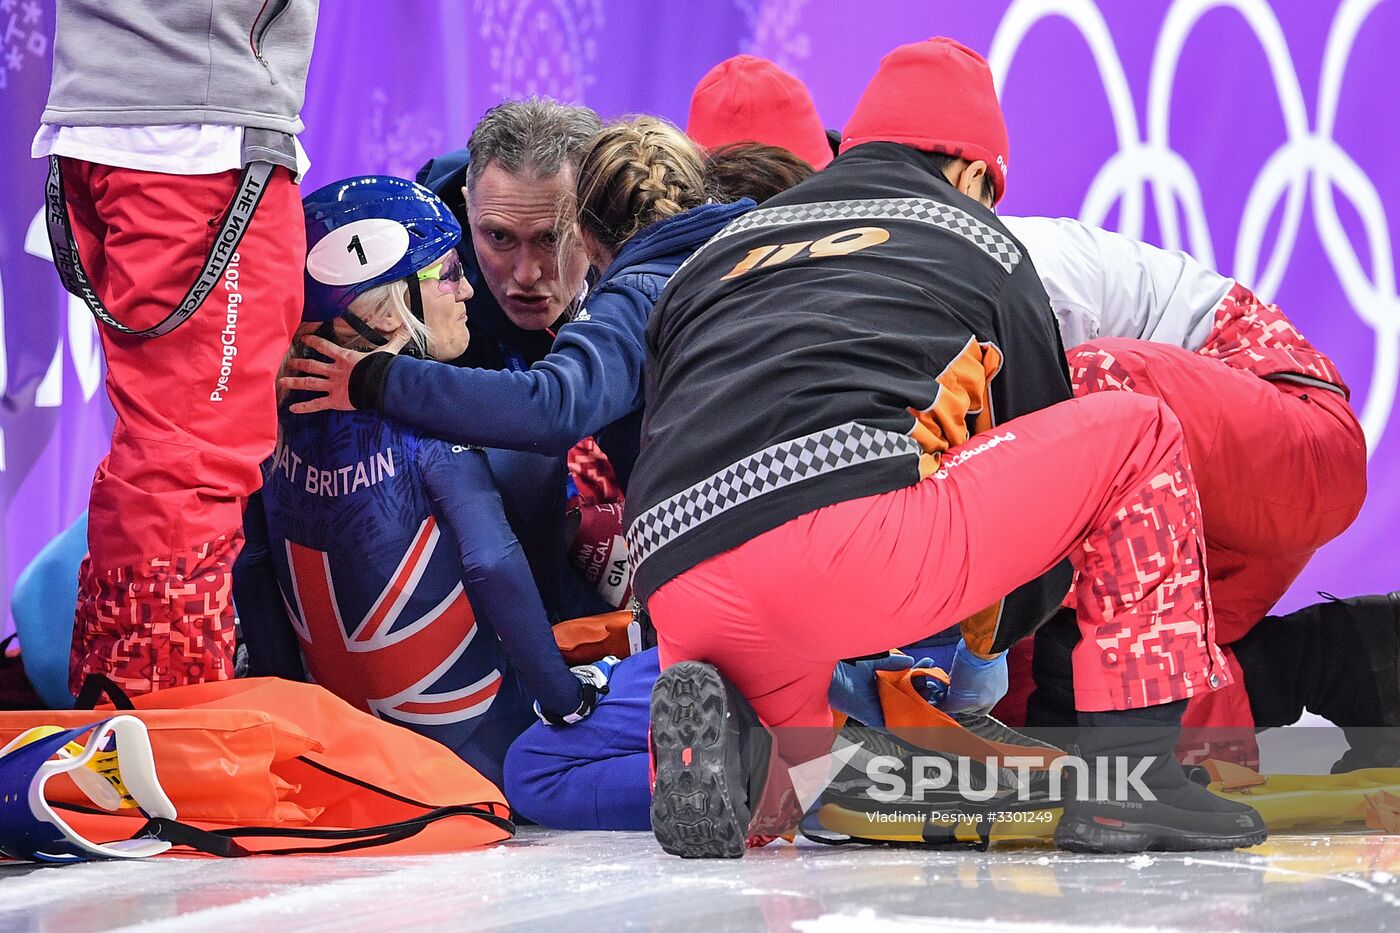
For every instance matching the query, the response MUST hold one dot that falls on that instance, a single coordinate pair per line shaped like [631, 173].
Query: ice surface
[573, 882]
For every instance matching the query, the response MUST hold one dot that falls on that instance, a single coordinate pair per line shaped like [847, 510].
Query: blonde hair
[636, 171]
[391, 297]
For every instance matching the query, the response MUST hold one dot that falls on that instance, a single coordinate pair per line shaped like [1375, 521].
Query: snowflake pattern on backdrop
[395, 142]
[23, 37]
[774, 32]
[544, 47]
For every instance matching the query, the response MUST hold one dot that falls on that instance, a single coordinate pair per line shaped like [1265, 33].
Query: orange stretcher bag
[265, 765]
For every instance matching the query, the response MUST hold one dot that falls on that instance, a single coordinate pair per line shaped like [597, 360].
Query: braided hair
[636, 171]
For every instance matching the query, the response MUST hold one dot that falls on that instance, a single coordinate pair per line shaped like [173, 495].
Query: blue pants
[592, 775]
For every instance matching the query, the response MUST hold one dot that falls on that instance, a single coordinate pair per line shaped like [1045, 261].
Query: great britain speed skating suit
[407, 587]
[173, 212]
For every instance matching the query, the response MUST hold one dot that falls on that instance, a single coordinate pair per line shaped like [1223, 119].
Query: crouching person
[409, 592]
[888, 369]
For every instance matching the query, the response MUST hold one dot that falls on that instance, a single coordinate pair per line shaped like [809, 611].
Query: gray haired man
[506, 187]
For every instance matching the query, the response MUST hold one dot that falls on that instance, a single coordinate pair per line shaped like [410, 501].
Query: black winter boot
[710, 755]
[1139, 799]
[1339, 659]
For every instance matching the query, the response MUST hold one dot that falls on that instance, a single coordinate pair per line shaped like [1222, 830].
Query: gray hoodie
[162, 62]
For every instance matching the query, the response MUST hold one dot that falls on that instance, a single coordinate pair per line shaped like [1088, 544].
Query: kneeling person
[867, 335]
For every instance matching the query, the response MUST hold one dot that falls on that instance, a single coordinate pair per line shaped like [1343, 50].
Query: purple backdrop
[1241, 131]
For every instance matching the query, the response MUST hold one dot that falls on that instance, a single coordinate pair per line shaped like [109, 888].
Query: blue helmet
[366, 231]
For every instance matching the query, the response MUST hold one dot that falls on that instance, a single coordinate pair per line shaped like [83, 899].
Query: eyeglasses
[447, 273]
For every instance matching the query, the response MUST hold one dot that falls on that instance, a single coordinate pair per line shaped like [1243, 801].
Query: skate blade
[697, 808]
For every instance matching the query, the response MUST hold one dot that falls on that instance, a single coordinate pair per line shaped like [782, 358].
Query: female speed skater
[407, 588]
[642, 207]
[642, 210]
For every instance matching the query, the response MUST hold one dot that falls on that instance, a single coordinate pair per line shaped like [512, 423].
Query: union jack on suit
[409, 592]
[393, 653]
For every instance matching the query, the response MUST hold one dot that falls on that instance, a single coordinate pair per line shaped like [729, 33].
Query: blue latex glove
[977, 683]
[592, 687]
[931, 688]
[854, 693]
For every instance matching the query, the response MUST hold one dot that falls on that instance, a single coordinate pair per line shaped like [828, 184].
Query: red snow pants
[1103, 480]
[196, 414]
[1280, 466]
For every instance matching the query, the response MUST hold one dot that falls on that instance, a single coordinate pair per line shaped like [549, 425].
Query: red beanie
[935, 95]
[748, 99]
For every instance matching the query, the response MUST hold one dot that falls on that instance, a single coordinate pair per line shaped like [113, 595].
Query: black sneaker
[1157, 826]
[704, 735]
[1178, 816]
[858, 807]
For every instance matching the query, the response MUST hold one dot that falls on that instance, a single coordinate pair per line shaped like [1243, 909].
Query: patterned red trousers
[1103, 480]
[196, 414]
[162, 623]
[1250, 336]
[1280, 466]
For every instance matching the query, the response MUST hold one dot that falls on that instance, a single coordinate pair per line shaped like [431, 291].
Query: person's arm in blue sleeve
[495, 573]
[273, 649]
[592, 377]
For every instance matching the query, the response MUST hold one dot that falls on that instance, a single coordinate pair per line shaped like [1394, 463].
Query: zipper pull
[262, 61]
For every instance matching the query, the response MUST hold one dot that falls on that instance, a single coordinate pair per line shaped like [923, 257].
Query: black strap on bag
[251, 187]
[96, 686]
[223, 842]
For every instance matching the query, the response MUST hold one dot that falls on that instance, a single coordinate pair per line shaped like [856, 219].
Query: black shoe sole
[1082, 835]
[699, 804]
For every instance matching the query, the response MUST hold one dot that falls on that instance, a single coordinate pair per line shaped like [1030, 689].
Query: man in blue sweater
[504, 187]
